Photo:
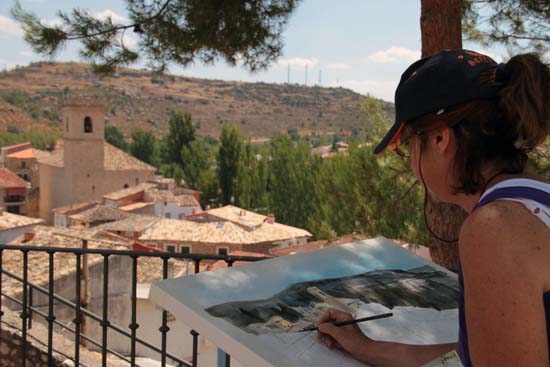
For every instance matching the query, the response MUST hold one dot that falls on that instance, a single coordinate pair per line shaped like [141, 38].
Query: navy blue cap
[442, 80]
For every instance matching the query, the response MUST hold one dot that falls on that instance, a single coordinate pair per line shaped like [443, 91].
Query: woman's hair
[498, 131]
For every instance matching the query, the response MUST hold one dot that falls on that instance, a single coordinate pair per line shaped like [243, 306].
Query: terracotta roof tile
[22, 154]
[187, 231]
[121, 194]
[100, 213]
[134, 223]
[114, 160]
[134, 206]
[8, 179]
[237, 215]
[10, 221]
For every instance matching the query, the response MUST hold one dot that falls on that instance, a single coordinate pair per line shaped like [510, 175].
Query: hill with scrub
[139, 99]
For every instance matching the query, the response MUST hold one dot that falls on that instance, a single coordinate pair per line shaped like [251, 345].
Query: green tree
[366, 194]
[251, 181]
[229, 161]
[115, 137]
[292, 171]
[516, 24]
[181, 132]
[144, 146]
[248, 31]
[198, 158]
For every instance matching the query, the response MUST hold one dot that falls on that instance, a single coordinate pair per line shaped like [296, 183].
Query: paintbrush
[351, 322]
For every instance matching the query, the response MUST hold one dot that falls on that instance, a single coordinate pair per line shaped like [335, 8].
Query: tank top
[535, 196]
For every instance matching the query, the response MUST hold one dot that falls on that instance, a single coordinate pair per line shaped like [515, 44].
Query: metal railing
[28, 289]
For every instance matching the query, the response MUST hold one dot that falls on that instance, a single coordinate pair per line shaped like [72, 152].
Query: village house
[263, 226]
[132, 227]
[159, 196]
[13, 192]
[212, 237]
[97, 215]
[13, 225]
[22, 160]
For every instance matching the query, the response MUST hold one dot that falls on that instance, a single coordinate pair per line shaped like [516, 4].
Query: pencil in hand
[350, 322]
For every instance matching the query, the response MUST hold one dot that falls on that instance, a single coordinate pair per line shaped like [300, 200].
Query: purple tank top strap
[513, 192]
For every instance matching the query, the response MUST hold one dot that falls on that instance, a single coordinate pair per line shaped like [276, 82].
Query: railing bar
[94, 317]
[134, 325]
[94, 342]
[30, 306]
[164, 328]
[105, 321]
[51, 317]
[24, 314]
[78, 316]
[1, 284]
[195, 347]
[103, 252]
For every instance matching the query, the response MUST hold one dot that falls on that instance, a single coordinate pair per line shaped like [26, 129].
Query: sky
[363, 45]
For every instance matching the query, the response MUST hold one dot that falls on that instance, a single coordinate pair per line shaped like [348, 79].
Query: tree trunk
[440, 25]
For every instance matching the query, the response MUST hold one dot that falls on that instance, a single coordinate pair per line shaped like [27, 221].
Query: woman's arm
[503, 252]
[377, 353]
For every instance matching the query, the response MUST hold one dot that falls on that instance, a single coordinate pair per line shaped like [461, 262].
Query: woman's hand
[349, 338]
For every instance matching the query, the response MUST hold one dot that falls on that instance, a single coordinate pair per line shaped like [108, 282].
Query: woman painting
[467, 123]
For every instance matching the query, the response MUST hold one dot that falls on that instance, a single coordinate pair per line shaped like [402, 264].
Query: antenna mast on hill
[288, 75]
[306, 74]
[320, 73]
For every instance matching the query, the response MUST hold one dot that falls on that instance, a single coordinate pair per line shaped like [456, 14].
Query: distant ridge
[138, 99]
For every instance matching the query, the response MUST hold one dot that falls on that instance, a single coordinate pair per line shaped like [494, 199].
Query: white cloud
[376, 88]
[394, 55]
[298, 63]
[128, 40]
[52, 22]
[491, 55]
[26, 53]
[104, 14]
[338, 66]
[9, 27]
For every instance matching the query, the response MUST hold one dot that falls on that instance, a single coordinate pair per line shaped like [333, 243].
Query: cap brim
[388, 138]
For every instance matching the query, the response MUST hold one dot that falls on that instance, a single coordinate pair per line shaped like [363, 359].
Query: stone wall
[37, 354]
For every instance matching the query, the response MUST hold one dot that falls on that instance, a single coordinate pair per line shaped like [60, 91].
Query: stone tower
[83, 143]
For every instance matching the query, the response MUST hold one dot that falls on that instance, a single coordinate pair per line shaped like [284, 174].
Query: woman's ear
[442, 139]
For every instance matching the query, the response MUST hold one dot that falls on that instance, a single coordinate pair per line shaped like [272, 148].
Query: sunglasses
[401, 146]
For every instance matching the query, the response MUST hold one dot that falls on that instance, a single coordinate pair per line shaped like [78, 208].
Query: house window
[23, 164]
[137, 181]
[88, 127]
[185, 249]
[125, 186]
[167, 215]
[171, 248]
[223, 251]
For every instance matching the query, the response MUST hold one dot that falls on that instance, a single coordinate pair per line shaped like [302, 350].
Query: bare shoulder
[505, 236]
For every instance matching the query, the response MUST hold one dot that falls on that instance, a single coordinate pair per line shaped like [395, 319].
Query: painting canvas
[255, 312]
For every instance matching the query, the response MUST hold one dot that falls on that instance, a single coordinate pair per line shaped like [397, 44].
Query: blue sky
[363, 45]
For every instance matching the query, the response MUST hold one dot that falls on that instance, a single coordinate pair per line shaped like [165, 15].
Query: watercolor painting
[255, 312]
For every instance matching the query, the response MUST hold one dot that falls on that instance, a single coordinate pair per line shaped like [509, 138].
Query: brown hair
[498, 131]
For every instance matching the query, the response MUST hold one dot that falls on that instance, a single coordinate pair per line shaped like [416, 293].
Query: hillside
[138, 99]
